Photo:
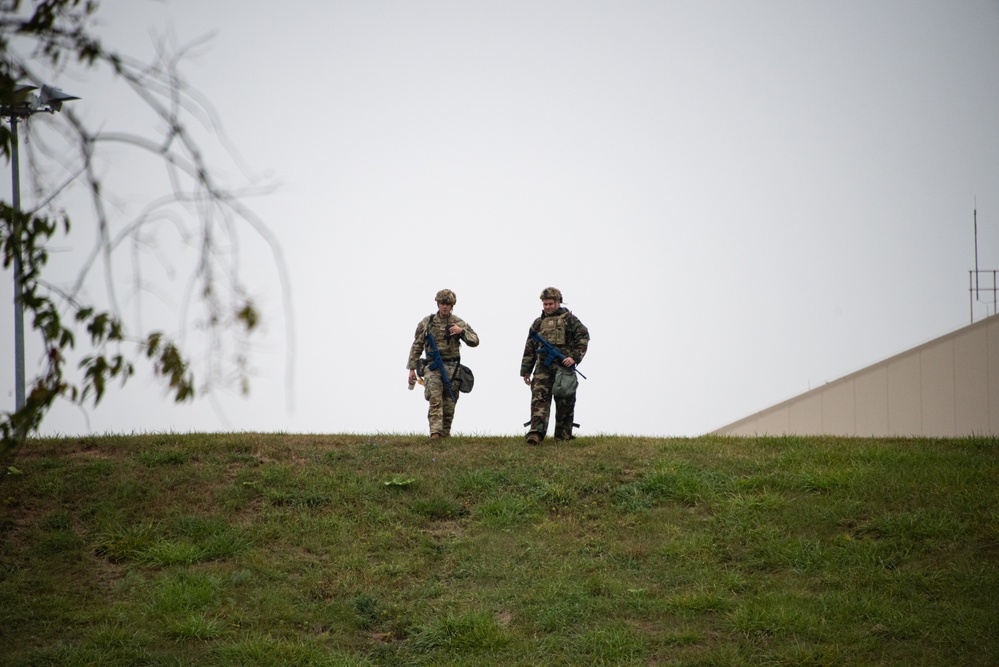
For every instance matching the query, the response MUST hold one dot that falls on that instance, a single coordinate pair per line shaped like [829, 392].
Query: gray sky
[742, 200]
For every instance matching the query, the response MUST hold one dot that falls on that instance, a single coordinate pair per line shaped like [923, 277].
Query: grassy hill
[252, 549]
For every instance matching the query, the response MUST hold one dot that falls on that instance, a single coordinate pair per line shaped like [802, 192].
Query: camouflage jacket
[447, 344]
[563, 330]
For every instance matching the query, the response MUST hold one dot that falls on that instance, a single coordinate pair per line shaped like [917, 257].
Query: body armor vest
[450, 346]
[552, 329]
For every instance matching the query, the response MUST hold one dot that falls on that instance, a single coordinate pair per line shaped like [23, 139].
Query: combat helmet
[446, 296]
[551, 293]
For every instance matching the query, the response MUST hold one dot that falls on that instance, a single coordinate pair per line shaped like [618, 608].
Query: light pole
[23, 104]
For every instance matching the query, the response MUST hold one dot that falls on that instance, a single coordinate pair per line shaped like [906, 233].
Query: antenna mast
[977, 296]
[974, 290]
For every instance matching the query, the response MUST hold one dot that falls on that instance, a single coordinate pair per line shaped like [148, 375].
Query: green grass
[250, 549]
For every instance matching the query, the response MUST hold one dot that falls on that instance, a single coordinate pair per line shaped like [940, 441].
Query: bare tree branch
[202, 210]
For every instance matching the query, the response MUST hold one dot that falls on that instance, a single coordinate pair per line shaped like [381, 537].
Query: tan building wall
[946, 388]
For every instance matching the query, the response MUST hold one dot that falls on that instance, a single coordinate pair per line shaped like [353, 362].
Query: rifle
[438, 363]
[552, 352]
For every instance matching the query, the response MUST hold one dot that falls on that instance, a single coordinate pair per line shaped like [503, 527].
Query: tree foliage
[51, 35]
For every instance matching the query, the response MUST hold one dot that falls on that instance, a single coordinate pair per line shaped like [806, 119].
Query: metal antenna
[974, 288]
[977, 296]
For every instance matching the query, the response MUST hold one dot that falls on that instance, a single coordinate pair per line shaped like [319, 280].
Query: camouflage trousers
[541, 400]
[440, 412]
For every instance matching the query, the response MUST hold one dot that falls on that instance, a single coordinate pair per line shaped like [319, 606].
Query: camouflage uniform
[440, 413]
[563, 330]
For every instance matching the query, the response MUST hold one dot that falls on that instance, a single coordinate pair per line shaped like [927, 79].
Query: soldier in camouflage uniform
[562, 329]
[448, 332]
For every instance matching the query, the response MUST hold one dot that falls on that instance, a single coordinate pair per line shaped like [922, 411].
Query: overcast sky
[741, 200]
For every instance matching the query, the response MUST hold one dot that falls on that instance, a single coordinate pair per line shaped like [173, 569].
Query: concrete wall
[947, 388]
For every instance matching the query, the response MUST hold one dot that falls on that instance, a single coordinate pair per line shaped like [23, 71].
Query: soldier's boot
[533, 438]
[565, 433]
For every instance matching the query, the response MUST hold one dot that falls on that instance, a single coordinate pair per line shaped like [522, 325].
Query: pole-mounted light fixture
[21, 104]
[51, 99]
